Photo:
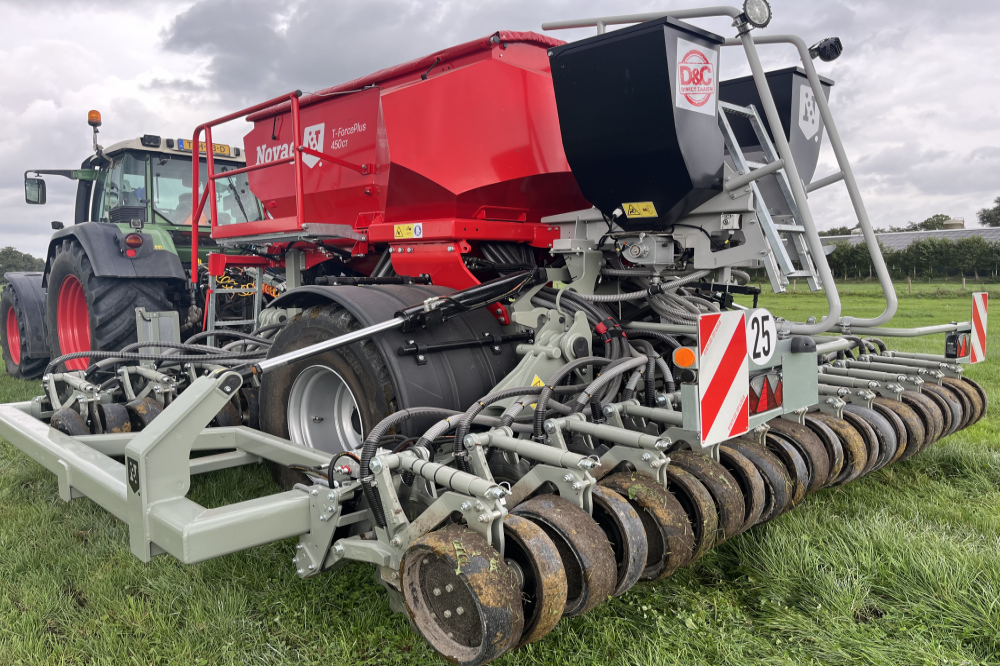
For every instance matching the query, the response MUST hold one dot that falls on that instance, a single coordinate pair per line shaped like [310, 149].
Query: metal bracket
[324, 517]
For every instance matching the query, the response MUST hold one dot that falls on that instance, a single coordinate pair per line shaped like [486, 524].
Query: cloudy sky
[916, 97]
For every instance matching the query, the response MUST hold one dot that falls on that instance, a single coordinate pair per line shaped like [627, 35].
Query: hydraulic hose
[546, 393]
[650, 375]
[601, 382]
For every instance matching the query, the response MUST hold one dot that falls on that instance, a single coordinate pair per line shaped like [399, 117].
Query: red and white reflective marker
[723, 377]
[980, 303]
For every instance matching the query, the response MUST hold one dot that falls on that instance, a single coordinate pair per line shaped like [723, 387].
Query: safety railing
[199, 199]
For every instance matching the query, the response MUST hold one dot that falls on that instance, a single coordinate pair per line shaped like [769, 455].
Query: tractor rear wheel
[86, 312]
[15, 339]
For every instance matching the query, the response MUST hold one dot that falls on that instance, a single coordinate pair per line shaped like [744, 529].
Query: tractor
[128, 247]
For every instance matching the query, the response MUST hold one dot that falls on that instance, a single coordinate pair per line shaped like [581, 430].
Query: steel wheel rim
[13, 337]
[323, 413]
[73, 322]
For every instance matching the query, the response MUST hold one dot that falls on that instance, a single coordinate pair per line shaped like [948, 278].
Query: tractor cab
[146, 182]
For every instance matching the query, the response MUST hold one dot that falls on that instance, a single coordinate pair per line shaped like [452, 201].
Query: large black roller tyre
[929, 413]
[15, 339]
[330, 401]
[85, 312]
[912, 423]
[794, 462]
[699, 506]
[625, 532]
[854, 447]
[530, 553]
[972, 397]
[978, 388]
[896, 421]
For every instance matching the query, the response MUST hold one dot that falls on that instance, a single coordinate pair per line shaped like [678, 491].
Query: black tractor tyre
[360, 366]
[14, 334]
[110, 304]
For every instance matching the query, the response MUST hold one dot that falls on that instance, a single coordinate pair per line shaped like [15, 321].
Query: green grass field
[900, 567]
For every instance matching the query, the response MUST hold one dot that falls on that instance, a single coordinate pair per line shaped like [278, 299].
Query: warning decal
[723, 376]
[639, 209]
[696, 80]
[980, 303]
[401, 231]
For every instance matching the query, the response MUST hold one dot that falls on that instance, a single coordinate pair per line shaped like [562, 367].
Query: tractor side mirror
[34, 190]
[57, 225]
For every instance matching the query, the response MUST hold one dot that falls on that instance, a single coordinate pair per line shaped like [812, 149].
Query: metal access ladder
[780, 267]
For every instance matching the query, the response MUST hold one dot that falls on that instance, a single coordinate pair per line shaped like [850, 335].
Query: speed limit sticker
[762, 336]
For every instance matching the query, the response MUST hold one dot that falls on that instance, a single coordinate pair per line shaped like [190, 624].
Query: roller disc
[70, 422]
[720, 483]
[967, 409]
[869, 437]
[114, 418]
[534, 558]
[914, 425]
[834, 449]
[777, 483]
[625, 531]
[751, 484]
[142, 411]
[884, 431]
[462, 598]
[587, 557]
[809, 445]
[855, 451]
[971, 395]
[699, 506]
[902, 436]
[793, 462]
[943, 410]
[928, 412]
[982, 394]
[949, 405]
[669, 537]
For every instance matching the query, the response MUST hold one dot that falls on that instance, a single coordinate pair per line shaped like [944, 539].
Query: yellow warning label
[640, 209]
[537, 381]
[401, 231]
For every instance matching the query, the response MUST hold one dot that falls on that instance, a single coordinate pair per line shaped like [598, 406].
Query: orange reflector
[133, 240]
[94, 118]
[684, 357]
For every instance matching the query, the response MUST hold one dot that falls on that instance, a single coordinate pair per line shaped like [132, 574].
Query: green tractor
[129, 246]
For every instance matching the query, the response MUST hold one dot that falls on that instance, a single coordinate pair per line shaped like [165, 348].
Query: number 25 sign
[762, 337]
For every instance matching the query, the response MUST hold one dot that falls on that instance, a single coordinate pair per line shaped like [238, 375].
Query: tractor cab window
[172, 192]
[121, 194]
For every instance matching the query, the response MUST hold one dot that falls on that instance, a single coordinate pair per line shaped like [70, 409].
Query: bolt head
[331, 497]
[483, 518]
[339, 550]
[375, 465]
[449, 587]
[466, 506]
[322, 518]
[437, 591]
[646, 456]
[568, 478]
[459, 610]
[314, 493]
[577, 486]
[447, 613]
[550, 427]
[300, 571]
[311, 567]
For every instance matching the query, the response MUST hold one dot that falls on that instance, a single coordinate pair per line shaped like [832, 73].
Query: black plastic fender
[103, 244]
[31, 295]
[451, 379]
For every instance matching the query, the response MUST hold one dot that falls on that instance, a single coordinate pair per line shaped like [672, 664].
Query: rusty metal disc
[114, 418]
[751, 484]
[982, 394]
[669, 536]
[142, 411]
[873, 445]
[699, 506]
[902, 436]
[948, 403]
[720, 483]
[855, 451]
[811, 448]
[777, 482]
[972, 396]
[588, 560]
[534, 558]
[621, 523]
[834, 449]
[461, 596]
[939, 412]
[884, 432]
[70, 422]
[914, 425]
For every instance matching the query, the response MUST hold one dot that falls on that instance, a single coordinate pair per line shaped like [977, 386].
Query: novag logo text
[313, 138]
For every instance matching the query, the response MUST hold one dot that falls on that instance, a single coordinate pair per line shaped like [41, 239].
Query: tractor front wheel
[85, 312]
[15, 339]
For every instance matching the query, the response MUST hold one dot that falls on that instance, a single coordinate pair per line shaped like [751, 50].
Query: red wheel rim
[73, 322]
[13, 337]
